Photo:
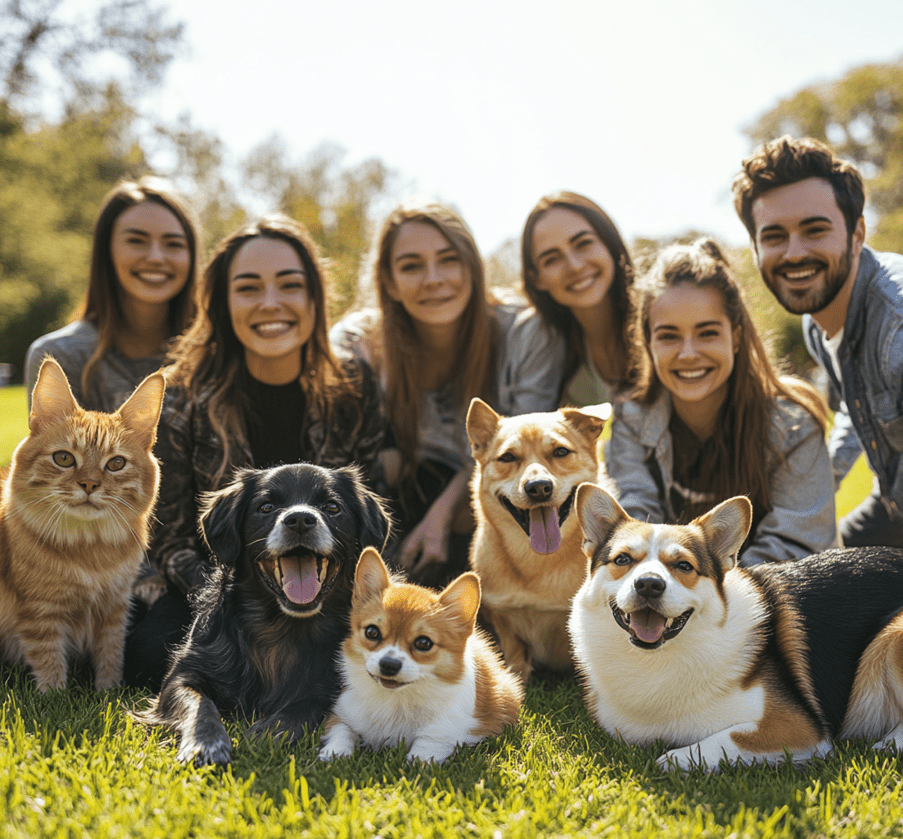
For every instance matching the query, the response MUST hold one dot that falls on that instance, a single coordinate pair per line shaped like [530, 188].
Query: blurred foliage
[861, 116]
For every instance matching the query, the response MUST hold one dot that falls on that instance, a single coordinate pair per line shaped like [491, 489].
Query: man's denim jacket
[871, 375]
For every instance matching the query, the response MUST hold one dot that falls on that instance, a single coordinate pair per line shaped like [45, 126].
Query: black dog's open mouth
[648, 629]
[542, 523]
[299, 579]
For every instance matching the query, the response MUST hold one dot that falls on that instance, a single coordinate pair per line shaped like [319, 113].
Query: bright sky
[490, 104]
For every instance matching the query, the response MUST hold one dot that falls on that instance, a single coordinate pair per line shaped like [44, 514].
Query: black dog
[270, 620]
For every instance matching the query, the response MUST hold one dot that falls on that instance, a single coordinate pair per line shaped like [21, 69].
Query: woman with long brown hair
[710, 418]
[577, 273]
[437, 340]
[140, 295]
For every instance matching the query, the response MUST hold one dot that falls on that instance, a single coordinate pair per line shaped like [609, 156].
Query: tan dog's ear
[589, 420]
[371, 578]
[599, 514]
[463, 594]
[725, 527]
[482, 424]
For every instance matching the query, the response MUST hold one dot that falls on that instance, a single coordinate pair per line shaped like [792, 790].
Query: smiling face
[272, 310]
[572, 264]
[150, 254]
[428, 276]
[692, 345]
[804, 251]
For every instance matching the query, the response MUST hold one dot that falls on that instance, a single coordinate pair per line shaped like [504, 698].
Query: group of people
[256, 377]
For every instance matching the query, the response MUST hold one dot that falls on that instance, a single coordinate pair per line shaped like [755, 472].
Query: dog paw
[330, 752]
[214, 753]
[683, 760]
[892, 741]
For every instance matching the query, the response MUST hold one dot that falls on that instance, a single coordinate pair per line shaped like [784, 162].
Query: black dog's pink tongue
[545, 537]
[299, 578]
[648, 625]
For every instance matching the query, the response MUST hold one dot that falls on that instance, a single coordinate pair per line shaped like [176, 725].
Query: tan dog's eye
[685, 566]
[372, 633]
[423, 643]
[64, 459]
[507, 457]
[623, 559]
[561, 451]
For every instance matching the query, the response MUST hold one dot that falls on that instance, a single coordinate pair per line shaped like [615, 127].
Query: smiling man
[803, 209]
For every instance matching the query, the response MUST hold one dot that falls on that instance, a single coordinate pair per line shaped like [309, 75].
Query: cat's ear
[51, 399]
[141, 411]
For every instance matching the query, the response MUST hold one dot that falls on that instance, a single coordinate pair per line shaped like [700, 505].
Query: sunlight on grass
[13, 421]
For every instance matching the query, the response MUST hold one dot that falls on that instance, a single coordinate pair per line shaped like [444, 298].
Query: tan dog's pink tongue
[299, 579]
[648, 625]
[545, 537]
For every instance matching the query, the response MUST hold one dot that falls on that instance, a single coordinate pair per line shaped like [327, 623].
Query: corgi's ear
[599, 514]
[589, 420]
[371, 578]
[725, 528]
[482, 424]
[463, 594]
[51, 399]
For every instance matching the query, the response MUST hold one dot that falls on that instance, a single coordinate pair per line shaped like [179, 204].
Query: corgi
[750, 665]
[417, 669]
[527, 542]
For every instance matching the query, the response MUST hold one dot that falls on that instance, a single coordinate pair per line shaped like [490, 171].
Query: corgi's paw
[338, 741]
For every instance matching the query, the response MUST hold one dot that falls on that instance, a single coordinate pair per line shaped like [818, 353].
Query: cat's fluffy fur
[74, 522]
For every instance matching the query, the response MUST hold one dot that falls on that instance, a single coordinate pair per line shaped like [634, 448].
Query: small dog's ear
[463, 595]
[221, 517]
[726, 527]
[482, 424]
[599, 514]
[375, 521]
[371, 578]
[589, 420]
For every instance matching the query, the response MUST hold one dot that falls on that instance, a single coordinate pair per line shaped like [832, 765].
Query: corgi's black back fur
[838, 622]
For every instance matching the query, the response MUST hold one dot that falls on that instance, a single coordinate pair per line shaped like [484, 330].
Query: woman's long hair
[560, 318]
[742, 436]
[399, 352]
[102, 305]
[208, 360]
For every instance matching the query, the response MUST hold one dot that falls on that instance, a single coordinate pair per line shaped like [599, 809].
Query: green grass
[75, 765]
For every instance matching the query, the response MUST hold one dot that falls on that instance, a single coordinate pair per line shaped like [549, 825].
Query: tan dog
[527, 547]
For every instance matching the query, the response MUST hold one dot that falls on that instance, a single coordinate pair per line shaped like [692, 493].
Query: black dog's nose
[538, 490]
[651, 586]
[389, 666]
[300, 522]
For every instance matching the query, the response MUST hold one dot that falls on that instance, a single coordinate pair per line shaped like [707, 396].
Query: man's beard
[814, 299]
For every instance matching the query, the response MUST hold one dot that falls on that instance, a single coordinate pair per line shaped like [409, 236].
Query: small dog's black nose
[389, 666]
[300, 522]
[651, 586]
[538, 490]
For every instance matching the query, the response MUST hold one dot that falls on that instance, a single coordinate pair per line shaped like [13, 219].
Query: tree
[861, 117]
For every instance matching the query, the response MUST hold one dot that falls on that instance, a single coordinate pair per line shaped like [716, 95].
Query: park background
[333, 112]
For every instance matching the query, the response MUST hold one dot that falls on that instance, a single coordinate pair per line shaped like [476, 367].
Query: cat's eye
[115, 463]
[372, 633]
[64, 459]
[422, 643]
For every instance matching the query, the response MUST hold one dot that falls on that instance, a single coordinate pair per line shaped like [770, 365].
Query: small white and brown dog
[527, 542]
[417, 669]
[677, 643]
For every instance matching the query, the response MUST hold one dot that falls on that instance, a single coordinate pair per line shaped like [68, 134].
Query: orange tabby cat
[74, 522]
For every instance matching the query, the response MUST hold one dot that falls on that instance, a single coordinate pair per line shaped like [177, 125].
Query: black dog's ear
[222, 514]
[376, 523]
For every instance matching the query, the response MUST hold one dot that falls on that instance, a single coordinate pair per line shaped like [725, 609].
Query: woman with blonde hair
[710, 418]
[140, 295]
[253, 382]
[577, 274]
[437, 340]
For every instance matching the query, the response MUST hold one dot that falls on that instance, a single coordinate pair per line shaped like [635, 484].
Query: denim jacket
[871, 375]
[802, 518]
